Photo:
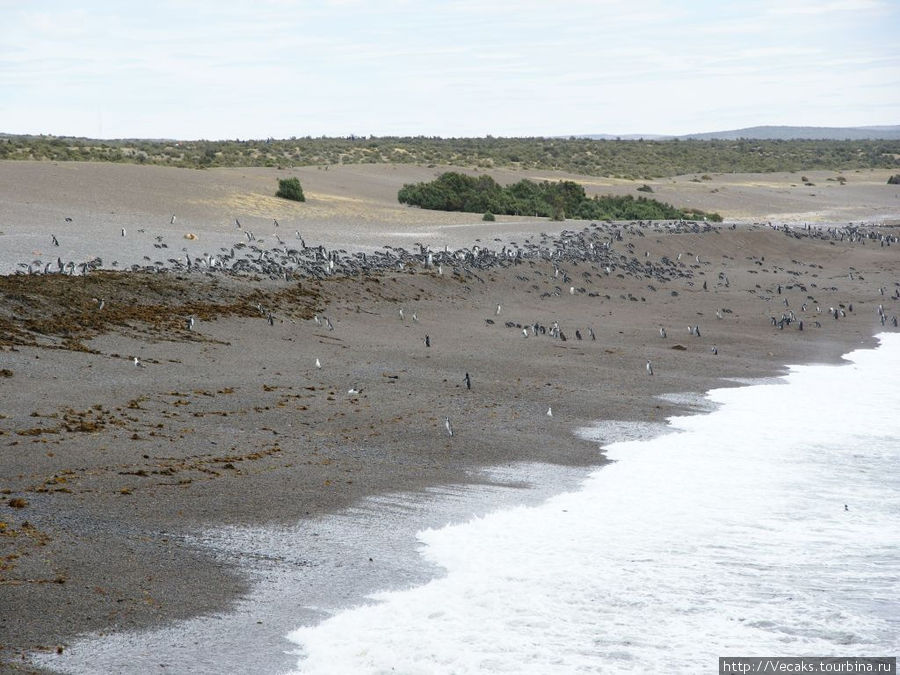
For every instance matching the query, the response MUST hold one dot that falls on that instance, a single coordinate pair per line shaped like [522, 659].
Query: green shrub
[488, 216]
[645, 188]
[453, 191]
[894, 180]
[289, 188]
[643, 160]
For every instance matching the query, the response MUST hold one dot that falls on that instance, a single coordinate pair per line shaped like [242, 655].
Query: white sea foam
[728, 536]
[305, 572]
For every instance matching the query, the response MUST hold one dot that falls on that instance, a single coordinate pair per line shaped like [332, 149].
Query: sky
[231, 69]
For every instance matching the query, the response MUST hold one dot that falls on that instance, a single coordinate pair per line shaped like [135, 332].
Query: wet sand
[232, 423]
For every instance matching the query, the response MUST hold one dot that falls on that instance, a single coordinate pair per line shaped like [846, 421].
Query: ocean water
[769, 526]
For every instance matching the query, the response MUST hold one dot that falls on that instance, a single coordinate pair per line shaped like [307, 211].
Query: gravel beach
[126, 428]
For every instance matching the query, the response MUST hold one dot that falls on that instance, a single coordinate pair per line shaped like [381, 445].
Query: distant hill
[770, 133]
[808, 133]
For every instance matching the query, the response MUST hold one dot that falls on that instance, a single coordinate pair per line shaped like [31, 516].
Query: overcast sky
[277, 68]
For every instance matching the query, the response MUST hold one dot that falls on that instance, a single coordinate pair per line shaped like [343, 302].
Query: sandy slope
[346, 206]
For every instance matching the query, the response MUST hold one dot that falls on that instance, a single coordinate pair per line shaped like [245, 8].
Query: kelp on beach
[56, 310]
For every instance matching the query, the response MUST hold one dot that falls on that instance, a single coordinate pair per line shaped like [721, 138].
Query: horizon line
[576, 136]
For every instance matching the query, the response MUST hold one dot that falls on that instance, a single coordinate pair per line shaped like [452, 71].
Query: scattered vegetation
[453, 191]
[631, 159]
[289, 188]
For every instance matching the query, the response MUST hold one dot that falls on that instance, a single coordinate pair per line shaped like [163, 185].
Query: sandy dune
[347, 206]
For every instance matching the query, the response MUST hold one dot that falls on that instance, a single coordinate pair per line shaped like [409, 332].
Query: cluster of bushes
[452, 191]
[894, 180]
[632, 159]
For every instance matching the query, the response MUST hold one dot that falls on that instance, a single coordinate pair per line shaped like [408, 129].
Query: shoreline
[327, 563]
[693, 470]
[231, 424]
[279, 567]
